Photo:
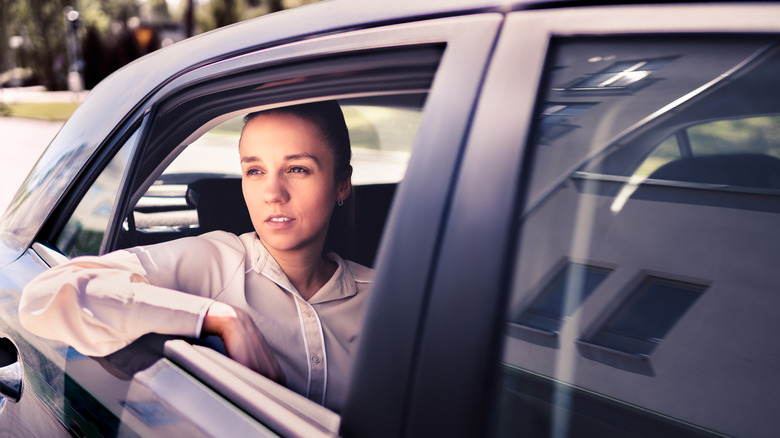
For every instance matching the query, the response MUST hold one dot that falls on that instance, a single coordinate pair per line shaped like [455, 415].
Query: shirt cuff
[201, 319]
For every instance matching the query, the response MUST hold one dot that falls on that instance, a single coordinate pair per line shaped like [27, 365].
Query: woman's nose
[274, 190]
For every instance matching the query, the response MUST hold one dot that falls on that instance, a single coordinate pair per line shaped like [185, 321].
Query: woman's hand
[243, 341]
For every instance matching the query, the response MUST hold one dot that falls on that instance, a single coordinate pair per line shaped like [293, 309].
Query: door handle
[10, 371]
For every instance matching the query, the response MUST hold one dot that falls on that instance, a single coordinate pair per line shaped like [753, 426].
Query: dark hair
[328, 118]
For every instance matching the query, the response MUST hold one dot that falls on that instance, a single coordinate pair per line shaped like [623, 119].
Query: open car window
[200, 190]
[188, 182]
[382, 80]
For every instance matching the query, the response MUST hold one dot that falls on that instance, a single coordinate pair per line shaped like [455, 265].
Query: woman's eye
[298, 169]
[253, 171]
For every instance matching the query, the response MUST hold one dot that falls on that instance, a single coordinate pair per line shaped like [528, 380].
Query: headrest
[220, 205]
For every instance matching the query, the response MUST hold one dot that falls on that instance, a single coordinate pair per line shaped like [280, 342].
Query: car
[572, 210]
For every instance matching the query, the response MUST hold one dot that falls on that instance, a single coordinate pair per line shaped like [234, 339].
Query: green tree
[42, 24]
[220, 13]
[4, 35]
[158, 9]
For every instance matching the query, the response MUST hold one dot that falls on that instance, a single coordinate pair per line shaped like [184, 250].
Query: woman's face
[289, 182]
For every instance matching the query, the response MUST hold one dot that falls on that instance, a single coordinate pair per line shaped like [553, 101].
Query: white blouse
[167, 289]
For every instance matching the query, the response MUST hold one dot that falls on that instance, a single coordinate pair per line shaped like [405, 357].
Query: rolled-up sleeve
[99, 310]
[99, 305]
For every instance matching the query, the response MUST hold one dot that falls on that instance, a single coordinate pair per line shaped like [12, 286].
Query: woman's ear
[344, 186]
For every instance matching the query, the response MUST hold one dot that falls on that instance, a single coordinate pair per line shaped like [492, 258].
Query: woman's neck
[307, 272]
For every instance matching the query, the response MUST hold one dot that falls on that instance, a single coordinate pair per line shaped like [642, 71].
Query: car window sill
[279, 408]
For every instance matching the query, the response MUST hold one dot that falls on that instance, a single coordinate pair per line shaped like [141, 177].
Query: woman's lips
[279, 221]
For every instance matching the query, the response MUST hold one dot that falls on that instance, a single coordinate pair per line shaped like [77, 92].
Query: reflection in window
[555, 117]
[749, 135]
[84, 231]
[645, 319]
[752, 138]
[668, 150]
[621, 75]
[562, 296]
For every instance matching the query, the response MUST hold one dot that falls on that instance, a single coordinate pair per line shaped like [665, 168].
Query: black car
[573, 212]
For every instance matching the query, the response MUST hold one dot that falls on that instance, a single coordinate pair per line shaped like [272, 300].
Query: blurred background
[73, 44]
[52, 52]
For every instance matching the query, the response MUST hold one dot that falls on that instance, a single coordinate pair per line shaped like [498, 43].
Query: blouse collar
[342, 284]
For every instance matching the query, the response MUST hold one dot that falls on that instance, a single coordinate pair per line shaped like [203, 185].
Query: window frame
[198, 106]
[499, 181]
[133, 131]
[465, 39]
[274, 406]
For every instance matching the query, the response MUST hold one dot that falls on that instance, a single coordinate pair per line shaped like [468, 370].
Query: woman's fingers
[243, 341]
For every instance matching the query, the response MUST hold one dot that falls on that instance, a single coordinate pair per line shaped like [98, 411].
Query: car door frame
[457, 370]
[467, 38]
[437, 145]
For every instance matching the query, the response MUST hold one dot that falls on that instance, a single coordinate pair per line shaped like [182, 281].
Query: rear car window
[644, 297]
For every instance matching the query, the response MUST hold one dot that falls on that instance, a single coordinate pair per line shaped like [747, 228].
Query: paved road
[21, 143]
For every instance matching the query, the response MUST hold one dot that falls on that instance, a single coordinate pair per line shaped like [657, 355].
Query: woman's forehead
[282, 136]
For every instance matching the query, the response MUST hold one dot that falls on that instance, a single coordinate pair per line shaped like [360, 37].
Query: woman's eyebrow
[302, 156]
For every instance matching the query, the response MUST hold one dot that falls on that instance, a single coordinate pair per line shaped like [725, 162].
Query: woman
[282, 305]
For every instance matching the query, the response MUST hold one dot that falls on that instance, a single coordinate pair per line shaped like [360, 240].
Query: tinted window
[663, 165]
[644, 319]
[562, 296]
[84, 231]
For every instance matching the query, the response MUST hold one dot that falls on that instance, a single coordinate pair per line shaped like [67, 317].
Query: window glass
[621, 74]
[644, 319]
[556, 302]
[754, 135]
[658, 157]
[84, 231]
[668, 150]
[733, 140]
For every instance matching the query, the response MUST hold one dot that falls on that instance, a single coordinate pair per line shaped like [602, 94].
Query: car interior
[197, 197]
[197, 189]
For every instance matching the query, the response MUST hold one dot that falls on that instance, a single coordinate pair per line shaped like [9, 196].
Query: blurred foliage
[41, 24]
[218, 13]
[49, 111]
[158, 9]
[111, 33]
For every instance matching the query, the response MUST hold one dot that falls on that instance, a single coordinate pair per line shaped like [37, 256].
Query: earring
[340, 203]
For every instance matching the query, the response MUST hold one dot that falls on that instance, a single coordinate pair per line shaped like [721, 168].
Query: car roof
[123, 93]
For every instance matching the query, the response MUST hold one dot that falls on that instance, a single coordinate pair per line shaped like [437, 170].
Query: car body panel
[436, 356]
[405, 262]
[469, 38]
[662, 395]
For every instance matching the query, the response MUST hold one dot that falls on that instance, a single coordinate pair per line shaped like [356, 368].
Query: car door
[629, 289]
[159, 388]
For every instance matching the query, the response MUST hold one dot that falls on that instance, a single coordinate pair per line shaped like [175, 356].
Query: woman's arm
[101, 304]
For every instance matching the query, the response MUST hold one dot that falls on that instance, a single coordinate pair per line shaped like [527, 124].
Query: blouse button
[307, 313]
[316, 358]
